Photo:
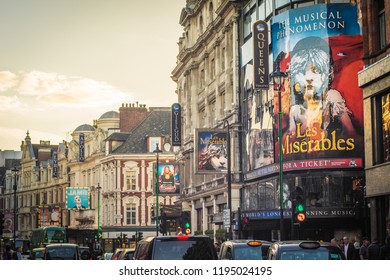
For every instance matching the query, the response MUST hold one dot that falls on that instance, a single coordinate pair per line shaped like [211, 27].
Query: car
[38, 254]
[116, 254]
[127, 254]
[181, 247]
[62, 251]
[304, 250]
[242, 249]
[85, 253]
[107, 256]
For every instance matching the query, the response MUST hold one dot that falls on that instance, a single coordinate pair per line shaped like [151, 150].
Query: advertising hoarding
[210, 151]
[77, 198]
[168, 179]
[320, 47]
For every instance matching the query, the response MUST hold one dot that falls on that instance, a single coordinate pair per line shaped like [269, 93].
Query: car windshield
[61, 253]
[247, 253]
[198, 249]
[309, 254]
[39, 254]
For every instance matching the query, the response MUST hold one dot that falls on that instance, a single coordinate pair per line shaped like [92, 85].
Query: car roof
[244, 241]
[297, 242]
[62, 245]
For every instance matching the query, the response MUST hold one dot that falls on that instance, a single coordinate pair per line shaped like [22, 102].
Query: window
[130, 214]
[201, 79]
[247, 25]
[212, 69]
[223, 59]
[385, 129]
[152, 143]
[131, 180]
[382, 24]
[222, 103]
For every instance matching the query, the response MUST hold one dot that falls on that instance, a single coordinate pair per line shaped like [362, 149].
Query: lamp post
[157, 151]
[15, 186]
[278, 79]
[229, 178]
[98, 231]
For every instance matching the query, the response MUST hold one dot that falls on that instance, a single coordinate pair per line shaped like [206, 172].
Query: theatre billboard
[320, 47]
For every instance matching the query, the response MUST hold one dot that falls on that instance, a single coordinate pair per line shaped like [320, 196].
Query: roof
[156, 124]
[118, 136]
[84, 127]
[110, 115]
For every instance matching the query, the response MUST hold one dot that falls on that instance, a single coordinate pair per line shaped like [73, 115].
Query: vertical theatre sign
[81, 147]
[260, 55]
[176, 124]
[55, 165]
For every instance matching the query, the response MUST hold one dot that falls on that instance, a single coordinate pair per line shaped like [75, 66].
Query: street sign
[226, 218]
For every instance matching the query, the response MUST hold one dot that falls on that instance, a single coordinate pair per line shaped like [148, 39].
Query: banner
[320, 47]
[49, 215]
[210, 151]
[77, 198]
[168, 179]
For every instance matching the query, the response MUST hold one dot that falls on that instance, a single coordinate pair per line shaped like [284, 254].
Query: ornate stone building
[207, 80]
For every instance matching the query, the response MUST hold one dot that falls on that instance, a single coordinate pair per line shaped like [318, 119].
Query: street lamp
[229, 178]
[98, 232]
[157, 151]
[278, 79]
[15, 186]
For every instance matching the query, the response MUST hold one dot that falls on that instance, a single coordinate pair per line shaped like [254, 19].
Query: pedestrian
[7, 255]
[385, 250]
[17, 255]
[357, 249]
[363, 252]
[348, 248]
[374, 250]
[334, 242]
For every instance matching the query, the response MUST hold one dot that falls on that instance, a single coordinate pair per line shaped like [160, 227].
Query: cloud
[55, 90]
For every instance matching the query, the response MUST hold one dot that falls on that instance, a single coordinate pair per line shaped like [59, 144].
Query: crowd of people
[364, 250]
[10, 254]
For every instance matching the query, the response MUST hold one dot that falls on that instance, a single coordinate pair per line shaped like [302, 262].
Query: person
[317, 106]
[334, 242]
[167, 176]
[385, 250]
[348, 248]
[363, 252]
[17, 255]
[373, 250]
[357, 249]
[78, 203]
[7, 255]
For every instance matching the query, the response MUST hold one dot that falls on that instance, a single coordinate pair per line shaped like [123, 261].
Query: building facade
[110, 164]
[375, 82]
[207, 80]
[318, 46]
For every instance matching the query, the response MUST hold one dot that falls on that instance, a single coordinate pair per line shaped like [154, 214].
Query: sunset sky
[64, 63]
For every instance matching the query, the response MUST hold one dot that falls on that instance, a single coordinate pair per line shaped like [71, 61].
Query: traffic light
[163, 224]
[140, 235]
[245, 223]
[186, 222]
[298, 205]
[124, 238]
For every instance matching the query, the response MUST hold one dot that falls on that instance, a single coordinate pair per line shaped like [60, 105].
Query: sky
[64, 63]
